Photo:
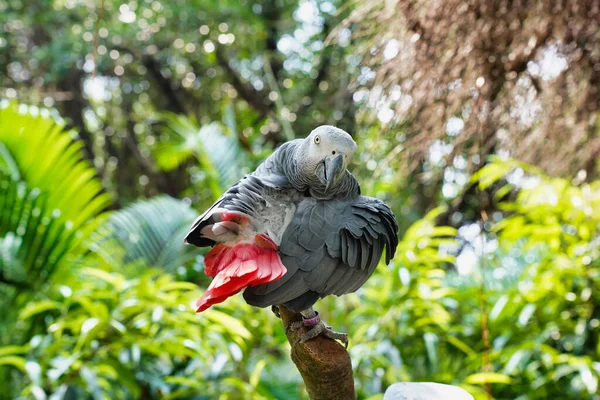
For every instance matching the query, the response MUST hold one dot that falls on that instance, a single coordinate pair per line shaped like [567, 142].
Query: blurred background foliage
[476, 121]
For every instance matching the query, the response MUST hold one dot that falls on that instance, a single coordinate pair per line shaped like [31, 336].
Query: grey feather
[245, 197]
[342, 242]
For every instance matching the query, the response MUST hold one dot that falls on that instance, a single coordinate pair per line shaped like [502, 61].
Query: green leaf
[8, 163]
[114, 279]
[445, 231]
[230, 324]
[526, 314]
[39, 307]
[11, 350]
[459, 344]
[15, 361]
[183, 381]
[184, 286]
[255, 376]
[239, 384]
[88, 331]
[498, 307]
[491, 173]
[487, 377]
[431, 345]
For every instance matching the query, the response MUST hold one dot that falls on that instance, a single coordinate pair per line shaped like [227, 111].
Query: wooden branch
[324, 364]
[288, 132]
[174, 101]
[74, 107]
[272, 18]
[322, 71]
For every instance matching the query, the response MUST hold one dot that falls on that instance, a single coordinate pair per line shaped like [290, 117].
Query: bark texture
[324, 364]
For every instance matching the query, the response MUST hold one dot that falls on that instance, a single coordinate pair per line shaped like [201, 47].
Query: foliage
[49, 204]
[264, 67]
[495, 283]
[114, 337]
[48, 200]
[219, 155]
[545, 349]
[149, 233]
[536, 277]
[117, 328]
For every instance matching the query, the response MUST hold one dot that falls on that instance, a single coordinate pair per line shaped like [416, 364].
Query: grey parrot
[295, 230]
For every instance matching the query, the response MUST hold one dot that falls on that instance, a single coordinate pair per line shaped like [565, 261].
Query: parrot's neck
[343, 188]
[285, 165]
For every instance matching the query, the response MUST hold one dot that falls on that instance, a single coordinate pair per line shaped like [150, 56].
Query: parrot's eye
[317, 139]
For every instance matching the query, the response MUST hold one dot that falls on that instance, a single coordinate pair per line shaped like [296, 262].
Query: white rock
[425, 391]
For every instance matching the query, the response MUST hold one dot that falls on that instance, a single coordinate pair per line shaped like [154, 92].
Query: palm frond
[49, 196]
[218, 153]
[150, 231]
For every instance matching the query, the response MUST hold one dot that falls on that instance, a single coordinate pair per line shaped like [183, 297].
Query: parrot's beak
[333, 166]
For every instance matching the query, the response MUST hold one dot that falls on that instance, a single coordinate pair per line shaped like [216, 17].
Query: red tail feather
[235, 268]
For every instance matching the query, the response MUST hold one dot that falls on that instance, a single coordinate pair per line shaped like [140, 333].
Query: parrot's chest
[276, 215]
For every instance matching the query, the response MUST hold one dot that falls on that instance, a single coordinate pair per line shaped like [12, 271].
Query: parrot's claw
[321, 329]
[294, 326]
[316, 327]
[331, 334]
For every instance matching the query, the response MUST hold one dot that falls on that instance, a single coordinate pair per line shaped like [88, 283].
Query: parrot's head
[327, 152]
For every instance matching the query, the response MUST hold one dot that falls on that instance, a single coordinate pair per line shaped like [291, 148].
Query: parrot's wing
[243, 194]
[330, 247]
[244, 198]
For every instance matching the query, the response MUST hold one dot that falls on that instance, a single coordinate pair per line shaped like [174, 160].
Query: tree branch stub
[324, 364]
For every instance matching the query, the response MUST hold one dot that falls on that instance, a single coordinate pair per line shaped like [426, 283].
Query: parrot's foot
[275, 310]
[316, 327]
[322, 329]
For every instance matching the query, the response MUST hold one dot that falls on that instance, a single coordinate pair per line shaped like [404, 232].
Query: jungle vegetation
[477, 121]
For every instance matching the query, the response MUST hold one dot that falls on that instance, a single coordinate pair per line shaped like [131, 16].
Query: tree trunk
[324, 364]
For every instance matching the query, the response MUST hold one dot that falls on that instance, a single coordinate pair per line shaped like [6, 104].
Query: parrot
[294, 231]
